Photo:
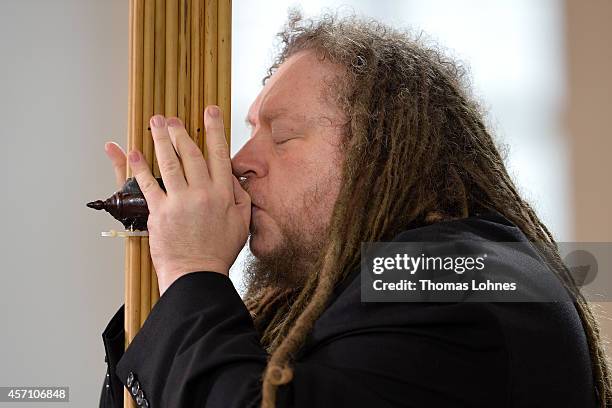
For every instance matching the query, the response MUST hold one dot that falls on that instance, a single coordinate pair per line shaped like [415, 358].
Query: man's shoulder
[513, 256]
[477, 234]
[486, 226]
[526, 333]
[437, 239]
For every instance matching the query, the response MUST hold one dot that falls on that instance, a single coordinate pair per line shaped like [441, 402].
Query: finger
[173, 122]
[148, 185]
[194, 165]
[169, 164]
[117, 156]
[243, 201]
[219, 164]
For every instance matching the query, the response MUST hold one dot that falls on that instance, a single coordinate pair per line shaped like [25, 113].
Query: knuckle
[157, 135]
[169, 167]
[195, 152]
[220, 152]
[216, 126]
[147, 185]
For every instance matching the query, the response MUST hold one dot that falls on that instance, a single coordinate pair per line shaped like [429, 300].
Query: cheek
[304, 186]
[309, 203]
[266, 234]
[320, 197]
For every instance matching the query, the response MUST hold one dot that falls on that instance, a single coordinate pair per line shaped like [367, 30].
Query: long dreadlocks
[417, 151]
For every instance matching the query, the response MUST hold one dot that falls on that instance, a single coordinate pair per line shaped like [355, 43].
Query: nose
[251, 160]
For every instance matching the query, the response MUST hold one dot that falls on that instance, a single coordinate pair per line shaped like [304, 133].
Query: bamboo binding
[179, 62]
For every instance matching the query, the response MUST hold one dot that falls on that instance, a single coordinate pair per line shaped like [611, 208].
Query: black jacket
[198, 347]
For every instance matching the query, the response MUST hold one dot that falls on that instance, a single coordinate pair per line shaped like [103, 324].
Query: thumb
[117, 156]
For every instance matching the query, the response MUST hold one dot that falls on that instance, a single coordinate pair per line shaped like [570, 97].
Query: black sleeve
[113, 338]
[199, 348]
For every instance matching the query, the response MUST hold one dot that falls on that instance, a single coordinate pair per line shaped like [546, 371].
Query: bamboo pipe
[135, 142]
[147, 145]
[210, 56]
[184, 77]
[129, 250]
[127, 264]
[160, 66]
[158, 101]
[195, 124]
[224, 67]
[128, 170]
[132, 304]
[172, 16]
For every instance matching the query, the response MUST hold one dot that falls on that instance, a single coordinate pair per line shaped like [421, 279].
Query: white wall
[63, 87]
[63, 92]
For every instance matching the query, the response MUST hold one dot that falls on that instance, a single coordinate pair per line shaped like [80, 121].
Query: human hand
[119, 160]
[202, 220]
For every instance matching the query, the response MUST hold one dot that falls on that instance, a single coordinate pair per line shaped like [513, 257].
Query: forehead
[295, 89]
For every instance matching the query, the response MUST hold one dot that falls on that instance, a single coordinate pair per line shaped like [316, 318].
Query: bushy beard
[288, 265]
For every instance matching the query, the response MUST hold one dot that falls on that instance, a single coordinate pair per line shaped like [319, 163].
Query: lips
[254, 210]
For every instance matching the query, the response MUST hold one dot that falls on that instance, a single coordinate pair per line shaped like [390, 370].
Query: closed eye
[285, 141]
[282, 137]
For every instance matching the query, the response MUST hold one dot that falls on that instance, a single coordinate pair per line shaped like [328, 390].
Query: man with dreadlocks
[360, 134]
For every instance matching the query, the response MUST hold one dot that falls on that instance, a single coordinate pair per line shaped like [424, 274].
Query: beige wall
[63, 93]
[589, 116]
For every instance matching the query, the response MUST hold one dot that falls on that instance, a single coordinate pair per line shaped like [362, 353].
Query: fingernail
[134, 156]
[213, 111]
[175, 122]
[158, 121]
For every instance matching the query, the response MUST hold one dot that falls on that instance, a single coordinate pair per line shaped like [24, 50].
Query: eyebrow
[275, 114]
